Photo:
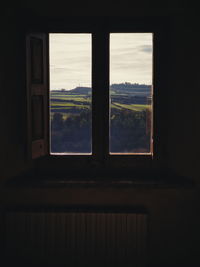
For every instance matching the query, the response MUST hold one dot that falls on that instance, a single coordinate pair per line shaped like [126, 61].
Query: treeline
[116, 87]
[128, 85]
[130, 132]
[72, 134]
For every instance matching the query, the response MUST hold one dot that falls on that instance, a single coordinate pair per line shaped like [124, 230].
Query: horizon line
[90, 87]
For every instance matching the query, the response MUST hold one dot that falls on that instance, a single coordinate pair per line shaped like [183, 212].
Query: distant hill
[80, 91]
[120, 88]
[130, 88]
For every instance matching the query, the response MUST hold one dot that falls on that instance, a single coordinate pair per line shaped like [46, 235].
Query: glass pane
[70, 94]
[131, 93]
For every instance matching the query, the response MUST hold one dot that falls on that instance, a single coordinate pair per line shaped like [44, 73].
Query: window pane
[131, 93]
[70, 93]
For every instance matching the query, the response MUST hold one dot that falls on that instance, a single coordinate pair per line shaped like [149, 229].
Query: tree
[57, 121]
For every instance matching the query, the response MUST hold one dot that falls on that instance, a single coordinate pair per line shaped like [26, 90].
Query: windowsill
[158, 179]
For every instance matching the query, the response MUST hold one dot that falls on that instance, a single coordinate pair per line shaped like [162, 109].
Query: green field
[71, 122]
[71, 104]
[135, 107]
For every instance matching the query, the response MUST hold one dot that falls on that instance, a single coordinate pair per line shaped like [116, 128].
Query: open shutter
[37, 94]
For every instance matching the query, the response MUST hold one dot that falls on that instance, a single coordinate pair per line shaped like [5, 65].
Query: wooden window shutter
[37, 94]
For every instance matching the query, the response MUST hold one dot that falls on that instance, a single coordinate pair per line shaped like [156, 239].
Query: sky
[70, 59]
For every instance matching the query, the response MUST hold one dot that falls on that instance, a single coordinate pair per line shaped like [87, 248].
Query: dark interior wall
[13, 99]
[173, 212]
[184, 84]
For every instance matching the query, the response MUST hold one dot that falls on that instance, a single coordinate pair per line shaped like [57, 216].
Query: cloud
[146, 48]
[70, 59]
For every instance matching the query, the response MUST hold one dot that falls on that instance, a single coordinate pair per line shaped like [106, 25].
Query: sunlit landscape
[131, 102]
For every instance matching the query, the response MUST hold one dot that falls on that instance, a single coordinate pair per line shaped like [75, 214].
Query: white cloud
[70, 59]
[131, 58]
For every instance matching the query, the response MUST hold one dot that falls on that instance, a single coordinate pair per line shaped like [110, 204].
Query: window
[131, 93]
[71, 93]
[102, 114]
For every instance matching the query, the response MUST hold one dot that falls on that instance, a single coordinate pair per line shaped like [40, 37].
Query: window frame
[100, 158]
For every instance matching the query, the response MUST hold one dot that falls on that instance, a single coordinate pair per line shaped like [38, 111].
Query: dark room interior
[61, 211]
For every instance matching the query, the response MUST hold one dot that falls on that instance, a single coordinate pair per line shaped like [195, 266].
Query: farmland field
[71, 125]
[72, 103]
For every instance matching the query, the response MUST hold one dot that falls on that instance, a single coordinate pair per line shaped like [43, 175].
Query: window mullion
[100, 102]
